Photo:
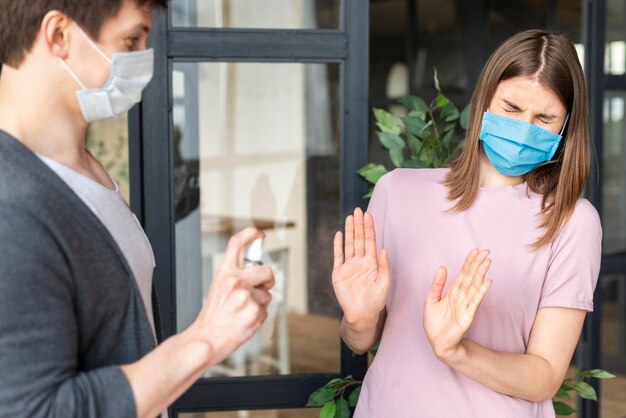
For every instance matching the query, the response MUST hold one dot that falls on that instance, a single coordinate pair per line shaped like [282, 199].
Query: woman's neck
[490, 177]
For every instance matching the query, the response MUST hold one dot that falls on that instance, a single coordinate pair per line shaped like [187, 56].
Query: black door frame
[151, 170]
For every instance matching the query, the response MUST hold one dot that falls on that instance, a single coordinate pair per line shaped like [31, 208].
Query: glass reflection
[268, 14]
[257, 144]
[614, 174]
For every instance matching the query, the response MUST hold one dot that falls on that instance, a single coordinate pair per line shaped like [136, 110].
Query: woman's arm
[361, 336]
[536, 375]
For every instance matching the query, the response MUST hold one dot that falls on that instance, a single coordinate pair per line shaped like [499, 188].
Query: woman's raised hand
[360, 277]
[447, 318]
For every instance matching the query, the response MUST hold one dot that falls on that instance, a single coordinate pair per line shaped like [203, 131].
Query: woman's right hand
[361, 279]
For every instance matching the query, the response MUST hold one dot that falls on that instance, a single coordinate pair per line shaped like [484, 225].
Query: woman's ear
[55, 33]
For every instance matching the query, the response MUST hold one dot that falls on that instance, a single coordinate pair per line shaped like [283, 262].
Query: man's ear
[55, 33]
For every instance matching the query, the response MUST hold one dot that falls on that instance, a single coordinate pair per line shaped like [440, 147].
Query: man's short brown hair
[20, 21]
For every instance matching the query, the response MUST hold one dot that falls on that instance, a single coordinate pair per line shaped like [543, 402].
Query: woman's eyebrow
[539, 115]
[546, 116]
[511, 105]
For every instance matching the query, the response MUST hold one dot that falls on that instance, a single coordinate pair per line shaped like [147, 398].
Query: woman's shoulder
[584, 216]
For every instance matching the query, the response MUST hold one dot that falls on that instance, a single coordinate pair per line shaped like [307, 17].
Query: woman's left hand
[447, 318]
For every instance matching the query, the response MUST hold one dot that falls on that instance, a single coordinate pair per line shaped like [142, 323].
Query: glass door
[257, 115]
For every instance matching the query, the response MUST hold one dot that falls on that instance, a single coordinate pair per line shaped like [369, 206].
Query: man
[77, 336]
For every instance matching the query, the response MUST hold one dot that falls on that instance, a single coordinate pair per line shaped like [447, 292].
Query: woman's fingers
[338, 250]
[359, 233]
[370, 235]
[384, 268]
[471, 274]
[349, 239]
[458, 281]
[477, 295]
[434, 295]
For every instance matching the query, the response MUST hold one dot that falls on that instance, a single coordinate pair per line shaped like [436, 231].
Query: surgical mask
[515, 147]
[130, 74]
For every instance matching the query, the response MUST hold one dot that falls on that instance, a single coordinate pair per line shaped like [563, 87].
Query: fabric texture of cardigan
[70, 310]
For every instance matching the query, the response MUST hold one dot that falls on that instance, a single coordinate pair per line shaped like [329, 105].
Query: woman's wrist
[453, 356]
[361, 323]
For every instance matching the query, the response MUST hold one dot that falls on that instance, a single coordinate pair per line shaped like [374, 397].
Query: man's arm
[234, 310]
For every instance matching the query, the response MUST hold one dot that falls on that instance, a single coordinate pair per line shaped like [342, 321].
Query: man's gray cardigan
[70, 310]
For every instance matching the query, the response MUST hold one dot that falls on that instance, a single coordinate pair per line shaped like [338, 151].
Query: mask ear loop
[564, 124]
[92, 43]
[72, 73]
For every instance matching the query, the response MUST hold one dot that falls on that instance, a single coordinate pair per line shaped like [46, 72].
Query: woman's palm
[360, 278]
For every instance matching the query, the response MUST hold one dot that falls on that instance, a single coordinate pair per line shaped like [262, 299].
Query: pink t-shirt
[409, 207]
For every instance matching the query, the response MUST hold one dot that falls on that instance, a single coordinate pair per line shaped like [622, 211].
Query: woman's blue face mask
[515, 147]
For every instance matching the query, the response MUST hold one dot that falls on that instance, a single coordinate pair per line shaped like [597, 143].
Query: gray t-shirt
[109, 206]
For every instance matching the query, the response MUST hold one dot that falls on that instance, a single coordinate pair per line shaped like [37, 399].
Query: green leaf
[436, 79]
[386, 122]
[562, 408]
[372, 173]
[585, 390]
[397, 156]
[458, 148]
[414, 144]
[562, 393]
[449, 112]
[596, 373]
[427, 155]
[367, 195]
[343, 411]
[415, 164]
[447, 138]
[420, 115]
[441, 101]
[414, 126]
[328, 410]
[354, 396]
[414, 104]
[390, 141]
[465, 116]
[332, 382]
[321, 396]
[374, 349]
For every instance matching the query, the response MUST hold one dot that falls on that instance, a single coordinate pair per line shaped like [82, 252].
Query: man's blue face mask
[515, 147]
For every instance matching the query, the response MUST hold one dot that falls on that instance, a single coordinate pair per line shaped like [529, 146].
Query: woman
[480, 347]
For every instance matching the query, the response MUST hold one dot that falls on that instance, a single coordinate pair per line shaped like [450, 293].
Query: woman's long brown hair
[550, 59]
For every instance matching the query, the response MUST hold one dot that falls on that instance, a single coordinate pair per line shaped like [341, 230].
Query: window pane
[614, 182]
[266, 14]
[277, 413]
[613, 344]
[258, 144]
[107, 140]
[615, 52]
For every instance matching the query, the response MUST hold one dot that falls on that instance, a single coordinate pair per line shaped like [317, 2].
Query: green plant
[331, 397]
[427, 137]
[580, 387]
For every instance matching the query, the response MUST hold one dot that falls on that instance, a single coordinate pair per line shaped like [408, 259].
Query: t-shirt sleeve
[378, 208]
[575, 261]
